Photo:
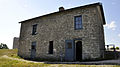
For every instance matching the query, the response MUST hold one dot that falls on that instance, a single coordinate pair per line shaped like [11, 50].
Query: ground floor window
[50, 47]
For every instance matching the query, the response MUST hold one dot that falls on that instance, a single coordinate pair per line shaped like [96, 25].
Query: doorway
[69, 50]
[73, 50]
[78, 50]
[33, 50]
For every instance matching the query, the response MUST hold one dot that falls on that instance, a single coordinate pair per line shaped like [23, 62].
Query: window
[78, 22]
[34, 29]
[51, 47]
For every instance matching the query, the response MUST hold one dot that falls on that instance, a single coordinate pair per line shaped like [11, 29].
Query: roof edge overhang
[94, 4]
[102, 12]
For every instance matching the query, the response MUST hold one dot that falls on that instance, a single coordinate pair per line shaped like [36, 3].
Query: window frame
[78, 22]
[34, 31]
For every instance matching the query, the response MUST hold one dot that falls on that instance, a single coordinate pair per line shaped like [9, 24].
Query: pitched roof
[95, 4]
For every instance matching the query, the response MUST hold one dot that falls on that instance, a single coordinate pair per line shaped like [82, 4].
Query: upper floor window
[34, 30]
[78, 22]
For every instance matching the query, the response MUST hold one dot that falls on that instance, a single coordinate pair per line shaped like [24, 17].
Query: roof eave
[72, 9]
[102, 12]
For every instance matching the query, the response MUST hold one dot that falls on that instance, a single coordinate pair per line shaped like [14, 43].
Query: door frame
[72, 49]
[80, 39]
[31, 55]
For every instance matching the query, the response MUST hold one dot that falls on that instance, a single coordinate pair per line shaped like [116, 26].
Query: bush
[3, 46]
[117, 48]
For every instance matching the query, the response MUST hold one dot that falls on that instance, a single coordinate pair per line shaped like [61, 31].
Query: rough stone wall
[60, 27]
[15, 43]
[101, 34]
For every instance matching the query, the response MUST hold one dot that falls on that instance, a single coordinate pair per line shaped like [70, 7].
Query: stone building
[15, 43]
[70, 34]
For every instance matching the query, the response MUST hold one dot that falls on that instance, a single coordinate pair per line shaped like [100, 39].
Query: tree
[0, 46]
[117, 48]
[3, 46]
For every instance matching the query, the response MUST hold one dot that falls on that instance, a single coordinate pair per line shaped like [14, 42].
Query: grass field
[6, 62]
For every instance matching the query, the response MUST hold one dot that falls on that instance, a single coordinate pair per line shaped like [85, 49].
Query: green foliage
[117, 48]
[3, 46]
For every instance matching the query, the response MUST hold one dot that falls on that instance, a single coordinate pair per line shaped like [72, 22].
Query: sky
[14, 11]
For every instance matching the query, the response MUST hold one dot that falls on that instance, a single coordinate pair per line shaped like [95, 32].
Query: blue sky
[14, 11]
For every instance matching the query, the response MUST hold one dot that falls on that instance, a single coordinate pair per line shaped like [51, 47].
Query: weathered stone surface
[15, 43]
[60, 27]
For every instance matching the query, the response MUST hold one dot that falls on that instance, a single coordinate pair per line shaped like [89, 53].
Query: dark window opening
[78, 22]
[34, 31]
[51, 47]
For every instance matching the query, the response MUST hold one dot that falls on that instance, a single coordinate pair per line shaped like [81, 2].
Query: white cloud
[118, 35]
[111, 26]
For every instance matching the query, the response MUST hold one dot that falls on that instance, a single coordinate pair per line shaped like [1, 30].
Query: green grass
[15, 63]
[8, 52]
[5, 62]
